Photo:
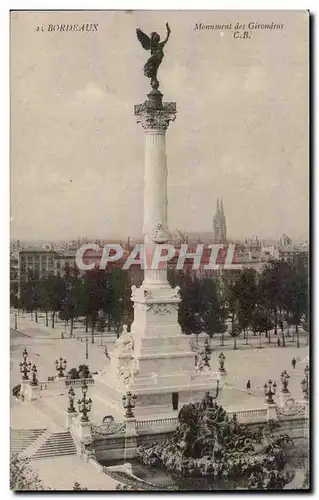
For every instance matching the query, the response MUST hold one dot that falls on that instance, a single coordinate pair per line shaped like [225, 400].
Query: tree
[29, 293]
[55, 287]
[241, 297]
[213, 308]
[84, 371]
[119, 307]
[22, 477]
[71, 301]
[297, 298]
[190, 312]
[260, 322]
[72, 374]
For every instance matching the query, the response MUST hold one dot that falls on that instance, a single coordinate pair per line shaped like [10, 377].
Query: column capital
[155, 115]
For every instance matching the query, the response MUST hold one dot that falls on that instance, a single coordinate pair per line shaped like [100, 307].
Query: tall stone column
[154, 116]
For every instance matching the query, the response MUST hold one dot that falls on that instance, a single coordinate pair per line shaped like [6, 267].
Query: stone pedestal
[283, 398]
[81, 431]
[155, 361]
[24, 389]
[34, 391]
[130, 427]
[130, 442]
[272, 411]
[69, 416]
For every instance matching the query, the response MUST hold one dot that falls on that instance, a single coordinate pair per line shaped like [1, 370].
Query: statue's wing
[144, 39]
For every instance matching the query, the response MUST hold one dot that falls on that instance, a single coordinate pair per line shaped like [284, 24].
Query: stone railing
[167, 424]
[157, 424]
[77, 382]
[49, 385]
[256, 415]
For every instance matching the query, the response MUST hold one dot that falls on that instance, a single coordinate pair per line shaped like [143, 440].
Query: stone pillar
[130, 426]
[130, 442]
[34, 391]
[24, 389]
[69, 418]
[283, 397]
[81, 431]
[154, 115]
[271, 411]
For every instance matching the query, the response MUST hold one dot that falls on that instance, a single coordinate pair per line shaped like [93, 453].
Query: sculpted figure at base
[125, 342]
[156, 47]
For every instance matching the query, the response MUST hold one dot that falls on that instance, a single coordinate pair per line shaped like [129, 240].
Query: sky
[241, 132]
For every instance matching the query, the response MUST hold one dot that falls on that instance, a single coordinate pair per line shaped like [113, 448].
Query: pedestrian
[293, 362]
[248, 385]
[106, 353]
[278, 342]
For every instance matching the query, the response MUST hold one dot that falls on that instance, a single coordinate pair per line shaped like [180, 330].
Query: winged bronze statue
[156, 47]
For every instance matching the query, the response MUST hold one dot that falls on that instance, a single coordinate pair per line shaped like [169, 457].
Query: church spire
[217, 207]
[221, 207]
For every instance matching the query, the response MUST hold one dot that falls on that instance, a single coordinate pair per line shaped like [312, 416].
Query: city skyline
[240, 133]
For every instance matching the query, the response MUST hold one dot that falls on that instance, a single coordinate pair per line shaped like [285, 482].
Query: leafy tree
[244, 292]
[72, 374]
[275, 283]
[297, 298]
[55, 289]
[213, 309]
[84, 371]
[260, 322]
[71, 302]
[22, 477]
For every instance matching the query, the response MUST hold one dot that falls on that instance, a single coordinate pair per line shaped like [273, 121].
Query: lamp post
[85, 404]
[60, 366]
[15, 321]
[25, 366]
[206, 357]
[305, 383]
[284, 380]
[129, 403]
[34, 380]
[71, 394]
[86, 347]
[270, 391]
[222, 358]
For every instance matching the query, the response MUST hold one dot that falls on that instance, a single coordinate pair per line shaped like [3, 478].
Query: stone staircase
[57, 444]
[21, 439]
[36, 445]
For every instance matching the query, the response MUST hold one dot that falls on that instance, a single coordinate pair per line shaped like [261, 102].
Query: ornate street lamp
[221, 358]
[87, 348]
[85, 404]
[129, 404]
[60, 366]
[25, 366]
[71, 394]
[284, 380]
[34, 380]
[270, 390]
[305, 383]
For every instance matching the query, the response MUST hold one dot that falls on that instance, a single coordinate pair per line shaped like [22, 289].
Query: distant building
[43, 262]
[219, 223]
